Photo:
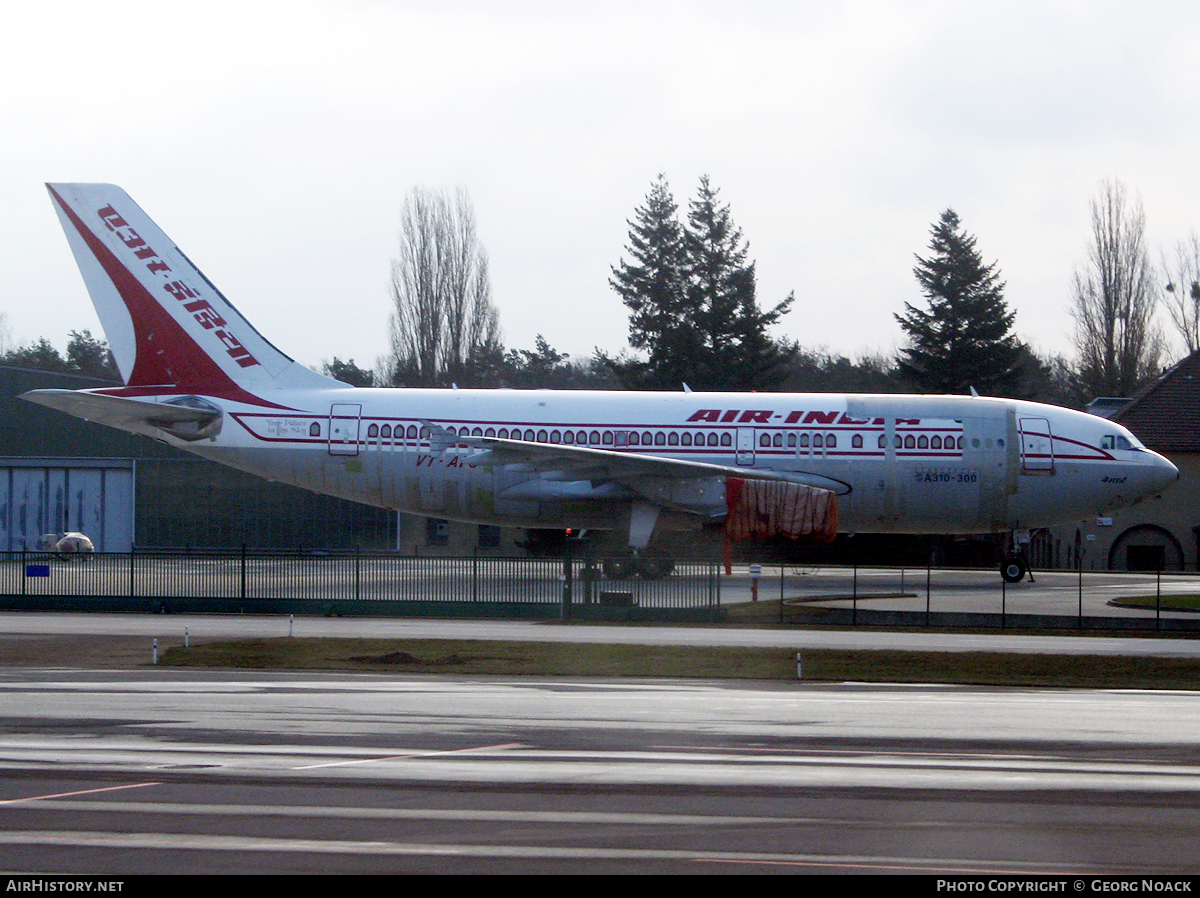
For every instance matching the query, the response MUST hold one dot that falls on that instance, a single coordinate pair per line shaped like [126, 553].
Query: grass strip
[1170, 602]
[452, 656]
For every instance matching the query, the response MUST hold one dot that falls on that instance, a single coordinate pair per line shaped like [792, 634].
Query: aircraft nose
[1165, 473]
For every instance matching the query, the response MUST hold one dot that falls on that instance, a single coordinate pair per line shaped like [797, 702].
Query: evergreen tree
[691, 297]
[964, 340]
[735, 351]
[89, 355]
[652, 288]
[349, 373]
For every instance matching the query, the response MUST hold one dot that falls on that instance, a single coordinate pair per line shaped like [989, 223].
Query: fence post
[928, 583]
[1079, 625]
[132, 591]
[567, 570]
[1158, 597]
[781, 569]
[475, 575]
[243, 588]
[24, 569]
[357, 573]
[1003, 600]
[854, 606]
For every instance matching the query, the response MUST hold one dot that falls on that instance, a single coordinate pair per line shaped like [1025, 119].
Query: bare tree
[1182, 293]
[444, 328]
[1114, 299]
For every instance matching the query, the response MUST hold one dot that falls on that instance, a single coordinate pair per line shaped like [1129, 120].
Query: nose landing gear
[1013, 569]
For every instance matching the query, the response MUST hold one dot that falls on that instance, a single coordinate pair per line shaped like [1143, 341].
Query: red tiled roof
[1166, 414]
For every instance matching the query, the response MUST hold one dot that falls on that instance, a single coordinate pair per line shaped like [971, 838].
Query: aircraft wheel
[1013, 569]
[619, 568]
[655, 568]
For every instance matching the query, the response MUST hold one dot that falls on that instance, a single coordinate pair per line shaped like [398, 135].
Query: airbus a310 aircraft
[200, 377]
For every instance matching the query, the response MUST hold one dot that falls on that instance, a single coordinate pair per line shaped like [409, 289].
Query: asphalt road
[135, 769]
[185, 771]
[169, 630]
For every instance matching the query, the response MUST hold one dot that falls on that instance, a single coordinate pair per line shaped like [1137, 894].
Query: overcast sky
[275, 143]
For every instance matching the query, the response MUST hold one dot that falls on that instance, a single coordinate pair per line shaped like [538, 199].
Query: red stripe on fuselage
[166, 358]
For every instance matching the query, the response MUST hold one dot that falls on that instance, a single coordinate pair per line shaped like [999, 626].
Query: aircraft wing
[586, 463]
[188, 418]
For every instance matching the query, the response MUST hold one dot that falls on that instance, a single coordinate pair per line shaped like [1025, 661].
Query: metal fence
[353, 582]
[968, 598]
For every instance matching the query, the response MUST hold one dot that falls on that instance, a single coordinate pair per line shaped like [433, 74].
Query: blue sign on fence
[37, 570]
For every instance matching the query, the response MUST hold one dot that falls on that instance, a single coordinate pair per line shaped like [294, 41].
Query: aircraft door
[1037, 446]
[343, 428]
[745, 446]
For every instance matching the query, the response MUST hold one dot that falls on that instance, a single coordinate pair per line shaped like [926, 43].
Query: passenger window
[607, 438]
[765, 441]
[673, 439]
[372, 431]
[594, 438]
[857, 442]
[791, 441]
[660, 439]
[686, 439]
[555, 436]
[490, 432]
[922, 442]
[831, 441]
[542, 436]
[726, 439]
[803, 441]
[412, 431]
[712, 439]
[882, 441]
[818, 441]
[314, 429]
[386, 431]
[935, 443]
[568, 437]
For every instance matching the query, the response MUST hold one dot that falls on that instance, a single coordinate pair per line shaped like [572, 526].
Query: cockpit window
[1119, 441]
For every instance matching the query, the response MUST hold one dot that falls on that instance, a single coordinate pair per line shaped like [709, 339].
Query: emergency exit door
[1037, 446]
[343, 428]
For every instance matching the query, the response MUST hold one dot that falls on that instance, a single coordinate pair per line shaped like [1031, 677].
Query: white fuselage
[900, 464]
[198, 375]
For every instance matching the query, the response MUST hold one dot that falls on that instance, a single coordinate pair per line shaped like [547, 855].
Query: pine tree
[964, 340]
[735, 351]
[691, 296]
[652, 288]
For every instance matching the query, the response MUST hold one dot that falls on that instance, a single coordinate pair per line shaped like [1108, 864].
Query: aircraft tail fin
[169, 328]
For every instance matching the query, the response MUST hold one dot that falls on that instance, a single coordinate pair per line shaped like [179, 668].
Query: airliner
[637, 465]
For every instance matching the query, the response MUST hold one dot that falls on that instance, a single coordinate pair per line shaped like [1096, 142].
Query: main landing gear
[648, 567]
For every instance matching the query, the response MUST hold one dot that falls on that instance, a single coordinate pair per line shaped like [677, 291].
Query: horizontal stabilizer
[189, 418]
